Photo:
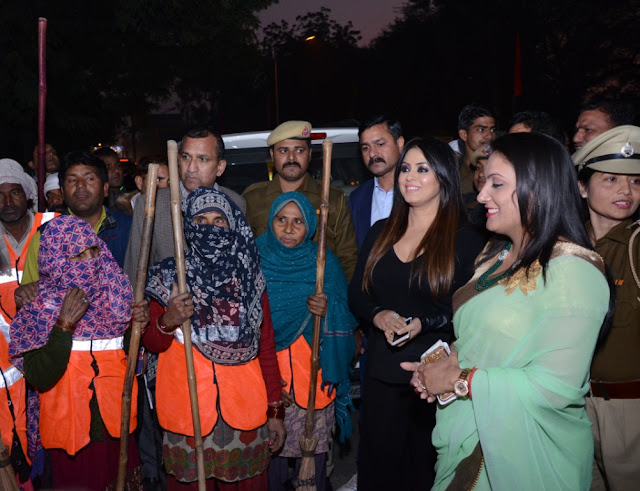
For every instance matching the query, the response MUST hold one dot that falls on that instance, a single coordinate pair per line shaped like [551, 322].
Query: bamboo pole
[308, 442]
[176, 215]
[42, 103]
[136, 328]
[8, 480]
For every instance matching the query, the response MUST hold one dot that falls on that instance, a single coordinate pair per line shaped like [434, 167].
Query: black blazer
[360, 205]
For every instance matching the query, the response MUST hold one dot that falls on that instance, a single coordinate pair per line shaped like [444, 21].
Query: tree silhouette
[318, 78]
[448, 54]
[112, 62]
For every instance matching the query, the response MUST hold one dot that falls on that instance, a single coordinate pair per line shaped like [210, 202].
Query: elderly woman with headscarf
[69, 343]
[235, 362]
[288, 257]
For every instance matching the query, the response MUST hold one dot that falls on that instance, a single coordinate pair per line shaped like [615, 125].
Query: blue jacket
[360, 205]
[114, 231]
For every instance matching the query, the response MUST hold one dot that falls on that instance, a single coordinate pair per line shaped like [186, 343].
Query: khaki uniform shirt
[341, 236]
[618, 359]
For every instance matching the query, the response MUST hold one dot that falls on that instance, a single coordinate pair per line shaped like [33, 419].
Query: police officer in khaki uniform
[290, 149]
[609, 180]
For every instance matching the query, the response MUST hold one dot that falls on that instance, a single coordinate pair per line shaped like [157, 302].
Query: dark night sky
[368, 16]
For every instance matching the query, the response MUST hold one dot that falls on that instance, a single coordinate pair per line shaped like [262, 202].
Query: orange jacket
[17, 391]
[65, 416]
[238, 390]
[295, 367]
[9, 284]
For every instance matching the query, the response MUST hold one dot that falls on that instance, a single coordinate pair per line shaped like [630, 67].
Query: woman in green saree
[526, 325]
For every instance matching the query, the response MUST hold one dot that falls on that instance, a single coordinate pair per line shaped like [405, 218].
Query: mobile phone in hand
[398, 338]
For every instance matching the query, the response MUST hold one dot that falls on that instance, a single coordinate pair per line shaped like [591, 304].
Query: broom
[178, 240]
[136, 328]
[307, 474]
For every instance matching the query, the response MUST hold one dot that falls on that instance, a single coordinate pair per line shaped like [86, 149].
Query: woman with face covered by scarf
[236, 368]
[69, 342]
[288, 257]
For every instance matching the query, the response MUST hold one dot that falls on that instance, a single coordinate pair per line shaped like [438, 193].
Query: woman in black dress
[409, 267]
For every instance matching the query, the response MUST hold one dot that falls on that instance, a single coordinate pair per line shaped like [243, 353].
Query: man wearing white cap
[290, 149]
[53, 194]
[17, 225]
[609, 179]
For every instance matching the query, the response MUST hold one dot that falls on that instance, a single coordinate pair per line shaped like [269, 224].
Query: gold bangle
[167, 333]
[66, 326]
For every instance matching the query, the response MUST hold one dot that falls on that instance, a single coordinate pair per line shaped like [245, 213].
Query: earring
[584, 195]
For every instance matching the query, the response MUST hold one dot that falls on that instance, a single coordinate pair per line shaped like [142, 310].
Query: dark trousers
[395, 439]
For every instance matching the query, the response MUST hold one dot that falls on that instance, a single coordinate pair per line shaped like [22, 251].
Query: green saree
[533, 348]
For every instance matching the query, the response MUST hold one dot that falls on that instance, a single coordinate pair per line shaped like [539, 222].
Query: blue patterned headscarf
[224, 277]
[291, 277]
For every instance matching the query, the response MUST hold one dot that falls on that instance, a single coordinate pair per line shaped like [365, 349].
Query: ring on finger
[422, 386]
[395, 315]
[186, 303]
[84, 300]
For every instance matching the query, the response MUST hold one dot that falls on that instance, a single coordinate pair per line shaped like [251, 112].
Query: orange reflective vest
[239, 391]
[295, 368]
[9, 283]
[65, 416]
[13, 380]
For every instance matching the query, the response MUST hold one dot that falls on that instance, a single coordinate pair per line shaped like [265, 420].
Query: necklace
[484, 282]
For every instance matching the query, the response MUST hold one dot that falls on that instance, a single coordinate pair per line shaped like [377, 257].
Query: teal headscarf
[291, 277]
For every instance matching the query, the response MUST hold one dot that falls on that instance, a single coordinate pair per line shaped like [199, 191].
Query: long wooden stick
[42, 103]
[176, 215]
[136, 328]
[8, 479]
[327, 147]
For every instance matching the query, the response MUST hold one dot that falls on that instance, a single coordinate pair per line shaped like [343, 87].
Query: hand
[391, 322]
[415, 381]
[413, 328]
[179, 310]
[277, 434]
[317, 304]
[287, 400]
[388, 322]
[74, 305]
[432, 379]
[140, 313]
[25, 294]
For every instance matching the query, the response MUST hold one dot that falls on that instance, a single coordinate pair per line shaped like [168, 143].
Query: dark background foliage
[145, 70]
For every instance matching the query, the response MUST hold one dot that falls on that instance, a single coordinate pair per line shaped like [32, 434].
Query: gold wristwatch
[461, 386]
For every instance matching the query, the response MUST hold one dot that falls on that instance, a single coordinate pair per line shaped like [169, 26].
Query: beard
[11, 214]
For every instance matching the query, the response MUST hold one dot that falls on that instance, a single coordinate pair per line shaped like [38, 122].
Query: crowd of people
[517, 254]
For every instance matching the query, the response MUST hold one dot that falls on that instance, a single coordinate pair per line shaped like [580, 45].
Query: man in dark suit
[381, 143]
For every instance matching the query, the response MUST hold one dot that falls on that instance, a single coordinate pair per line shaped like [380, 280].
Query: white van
[248, 159]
